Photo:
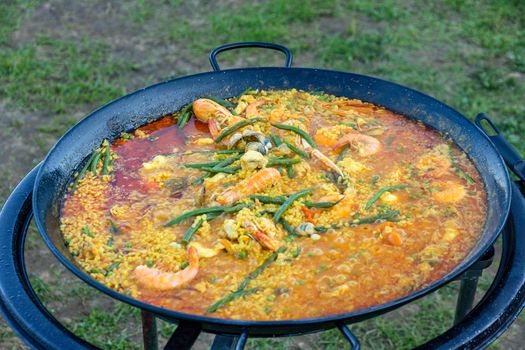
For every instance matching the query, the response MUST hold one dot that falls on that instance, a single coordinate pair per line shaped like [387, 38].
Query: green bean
[228, 151]
[183, 119]
[260, 269]
[200, 179]
[298, 131]
[321, 204]
[268, 199]
[229, 298]
[195, 212]
[236, 127]
[220, 101]
[237, 207]
[288, 203]
[210, 211]
[107, 158]
[460, 172]
[249, 92]
[216, 169]
[380, 193]
[276, 140]
[214, 164]
[300, 152]
[192, 229]
[82, 172]
[222, 163]
[85, 230]
[113, 228]
[265, 211]
[94, 163]
[342, 154]
[287, 227]
[200, 165]
[221, 151]
[290, 172]
[375, 218]
[213, 216]
[282, 161]
[185, 114]
[241, 290]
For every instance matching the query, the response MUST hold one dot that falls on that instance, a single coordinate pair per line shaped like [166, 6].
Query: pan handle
[227, 47]
[507, 151]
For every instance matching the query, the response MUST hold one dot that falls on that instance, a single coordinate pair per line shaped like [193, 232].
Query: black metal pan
[153, 102]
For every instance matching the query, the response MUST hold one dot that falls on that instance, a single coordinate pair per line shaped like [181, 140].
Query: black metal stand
[469, 284]
[149, 331]
[24, 312]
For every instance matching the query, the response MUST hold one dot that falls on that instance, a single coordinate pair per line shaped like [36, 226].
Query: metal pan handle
[507, 151]
[213, 54]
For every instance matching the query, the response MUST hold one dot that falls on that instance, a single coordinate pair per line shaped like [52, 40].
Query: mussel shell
[305, 229]
[256, 146]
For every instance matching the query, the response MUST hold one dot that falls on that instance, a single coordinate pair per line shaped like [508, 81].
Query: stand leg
[149, 331]
[184, 336]
[467, 293]
[469, 283]
[224, 342]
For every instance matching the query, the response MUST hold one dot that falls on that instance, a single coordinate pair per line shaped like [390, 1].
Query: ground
[61, 59]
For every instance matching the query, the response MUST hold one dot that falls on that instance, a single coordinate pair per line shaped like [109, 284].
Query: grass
[469, 54]
[53, 74]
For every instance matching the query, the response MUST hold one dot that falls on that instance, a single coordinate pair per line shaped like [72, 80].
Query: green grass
[469, 54]
[55, 74]
[101, 327]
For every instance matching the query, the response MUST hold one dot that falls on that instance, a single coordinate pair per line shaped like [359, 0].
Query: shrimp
[251, 109]
[218, 117]
[156, 279]
[366, 145]
[257, 182]
[323, 159]
[451, 192]
[314, 152]
[263, 239]
[205, 110]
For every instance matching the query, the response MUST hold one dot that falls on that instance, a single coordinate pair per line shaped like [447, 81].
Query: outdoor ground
[60, 59]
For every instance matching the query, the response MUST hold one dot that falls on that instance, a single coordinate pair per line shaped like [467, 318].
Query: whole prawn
[156, 279]
[257, 182]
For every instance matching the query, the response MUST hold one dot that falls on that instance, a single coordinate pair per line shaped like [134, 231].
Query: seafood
[249, 134]
[153, 278]
[314, 152]
[305, 229]
[263, 239]
[252, 160]
[323, 159]
[205, 110]
[218, 117]
[257, 182]
[229, 229]
[252, 109]
[449, 192]
[366, 145]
